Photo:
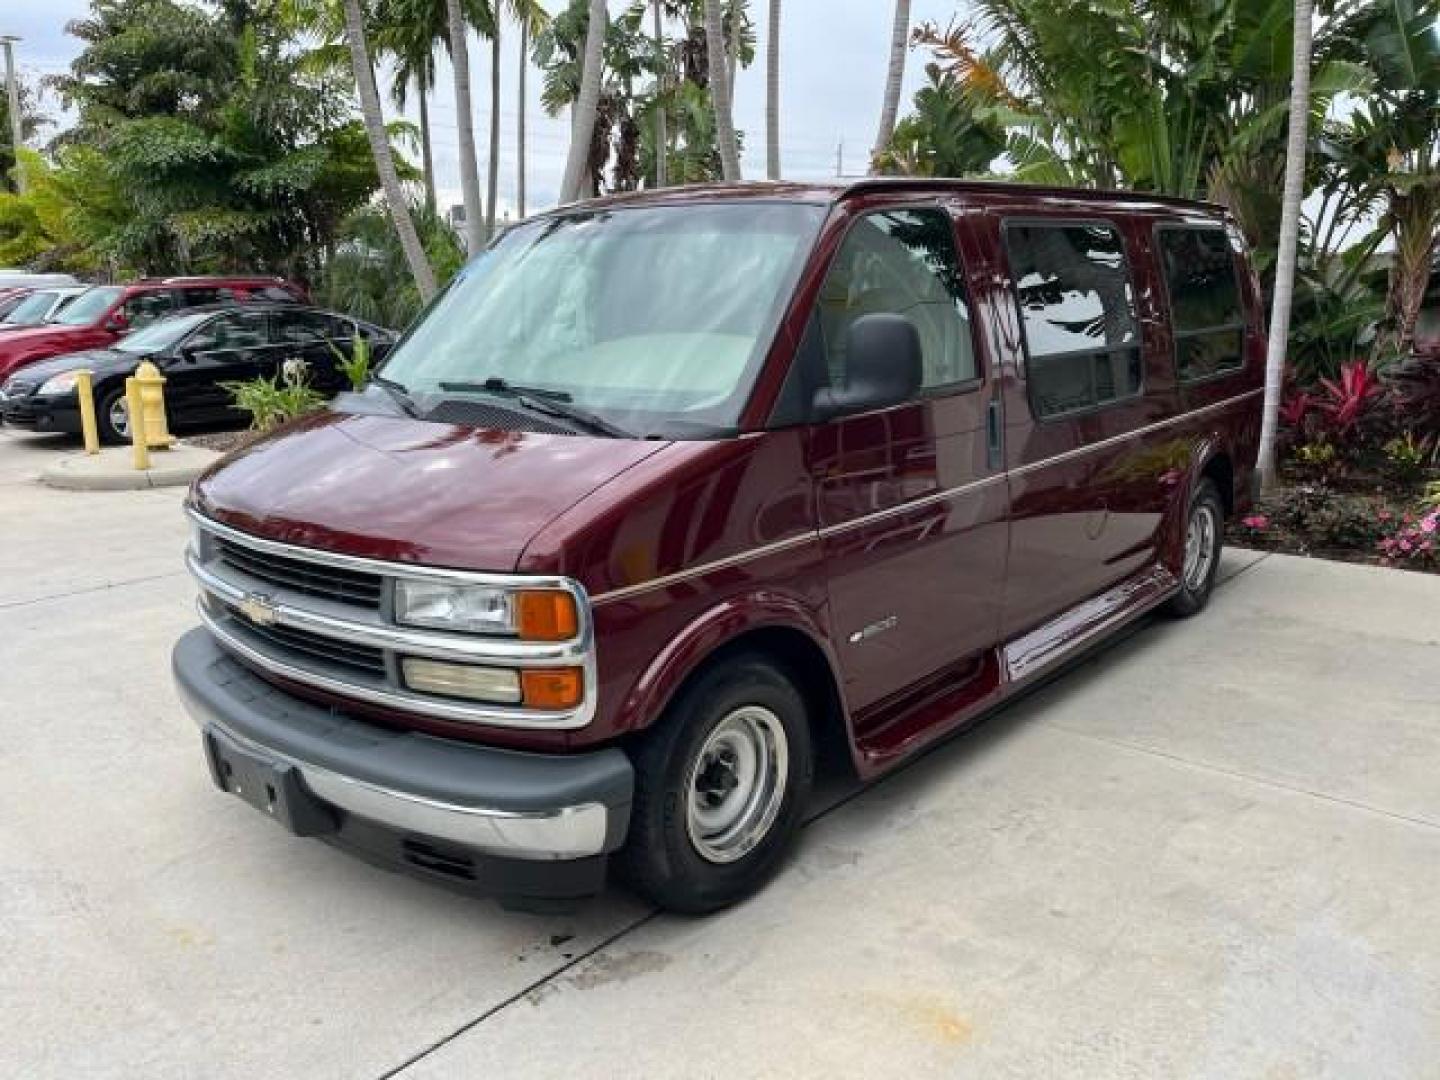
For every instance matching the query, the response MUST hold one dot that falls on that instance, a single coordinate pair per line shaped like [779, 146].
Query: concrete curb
[110, 470]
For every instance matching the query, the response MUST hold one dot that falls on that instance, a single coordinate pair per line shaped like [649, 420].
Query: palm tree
[374, 120]
[662, 140]
[893, 78]
[408, 31]
[493, 180]
[465, 127]
[720, 92]
[772, 94]
[1293, 196]
[520, 121]
[582, 127]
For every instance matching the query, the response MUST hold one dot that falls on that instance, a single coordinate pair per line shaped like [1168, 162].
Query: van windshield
[653, 318]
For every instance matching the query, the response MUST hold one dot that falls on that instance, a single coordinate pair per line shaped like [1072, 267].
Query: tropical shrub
[1410, 540]
[356, 366]
[272, 401]
[367, 275]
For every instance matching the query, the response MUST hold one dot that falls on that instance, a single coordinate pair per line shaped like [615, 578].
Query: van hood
[410, 490]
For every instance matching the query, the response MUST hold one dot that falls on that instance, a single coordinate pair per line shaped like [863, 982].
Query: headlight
[58, 384]
[529, 614]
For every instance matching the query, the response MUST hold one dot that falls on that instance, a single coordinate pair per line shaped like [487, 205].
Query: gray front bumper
[501, 803]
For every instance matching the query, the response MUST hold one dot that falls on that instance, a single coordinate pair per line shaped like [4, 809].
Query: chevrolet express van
[669, 494]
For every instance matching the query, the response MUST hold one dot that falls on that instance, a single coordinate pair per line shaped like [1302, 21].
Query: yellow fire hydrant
[151, 385]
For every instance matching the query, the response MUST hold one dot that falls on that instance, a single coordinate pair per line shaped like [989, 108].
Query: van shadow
[988, 734]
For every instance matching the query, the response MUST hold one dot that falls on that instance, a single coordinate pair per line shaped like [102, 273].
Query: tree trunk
[893, 80]
[1294, 195]
[582, 127]
[492, 188]
[662, 141]
[720, 93]
[465, 128]
[380, 147]
[772, 94]
[520, 122]
[732, 49]
[427, 154]
[1415, 217]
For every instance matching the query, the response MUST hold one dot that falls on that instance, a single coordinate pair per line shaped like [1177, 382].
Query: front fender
[727, 623]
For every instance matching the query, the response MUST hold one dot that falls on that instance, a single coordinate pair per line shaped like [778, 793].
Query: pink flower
[1431, 523]
[1256, 522]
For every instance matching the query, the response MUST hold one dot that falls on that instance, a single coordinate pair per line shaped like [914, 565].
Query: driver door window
[901, 262]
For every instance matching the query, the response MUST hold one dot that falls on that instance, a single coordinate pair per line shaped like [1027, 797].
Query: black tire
[661, 859]
[1196, 587]
[105, 401]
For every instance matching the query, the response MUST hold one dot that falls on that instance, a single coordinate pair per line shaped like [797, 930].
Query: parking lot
[1213, 850]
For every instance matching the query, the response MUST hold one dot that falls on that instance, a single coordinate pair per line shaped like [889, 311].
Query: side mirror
[883, 355]
[117, 323]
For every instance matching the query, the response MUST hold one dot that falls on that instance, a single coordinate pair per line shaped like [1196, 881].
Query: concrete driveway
[1211, 851]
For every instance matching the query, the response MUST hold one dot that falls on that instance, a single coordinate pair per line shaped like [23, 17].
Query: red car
[100, 316]
[671, 496]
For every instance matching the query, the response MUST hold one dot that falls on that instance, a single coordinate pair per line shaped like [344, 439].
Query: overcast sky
[833, 57]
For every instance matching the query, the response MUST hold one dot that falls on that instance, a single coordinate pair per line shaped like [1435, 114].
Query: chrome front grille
[310, 578]
[329, 650]
[323, 619]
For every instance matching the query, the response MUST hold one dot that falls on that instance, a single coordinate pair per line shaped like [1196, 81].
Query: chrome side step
[1063, 636]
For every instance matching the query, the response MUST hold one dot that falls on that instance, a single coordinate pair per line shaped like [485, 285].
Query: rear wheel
[720, 784]
[1204, 537]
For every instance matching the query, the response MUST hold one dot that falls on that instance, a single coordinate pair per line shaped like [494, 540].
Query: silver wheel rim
[737, 784]
[1200, 539]
[120, 417]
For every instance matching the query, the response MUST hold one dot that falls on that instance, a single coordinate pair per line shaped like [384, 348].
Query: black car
[196, 352]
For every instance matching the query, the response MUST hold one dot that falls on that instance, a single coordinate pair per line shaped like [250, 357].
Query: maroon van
[670, 495]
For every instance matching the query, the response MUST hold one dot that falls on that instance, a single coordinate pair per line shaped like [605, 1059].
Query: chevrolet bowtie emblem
[259, 609]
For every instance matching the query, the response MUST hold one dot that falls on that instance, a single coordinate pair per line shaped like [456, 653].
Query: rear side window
[195, 297]
[1205, 312]
[902, 262]
[144, 308]
[236, 330]
[1077, 307]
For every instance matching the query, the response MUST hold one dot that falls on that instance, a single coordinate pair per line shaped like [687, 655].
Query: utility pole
[12, 91]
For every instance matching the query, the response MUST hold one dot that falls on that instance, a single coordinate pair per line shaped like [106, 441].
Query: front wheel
[112, 416]
[1204, 536]
[720, 785]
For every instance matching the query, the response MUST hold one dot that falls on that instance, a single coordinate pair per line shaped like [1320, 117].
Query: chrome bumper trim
[569, 832]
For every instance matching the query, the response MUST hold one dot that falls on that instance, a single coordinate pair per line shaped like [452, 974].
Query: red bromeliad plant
[1346, 400]
[1294, 409]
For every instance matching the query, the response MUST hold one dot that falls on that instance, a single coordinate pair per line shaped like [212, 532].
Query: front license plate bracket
[272, 787]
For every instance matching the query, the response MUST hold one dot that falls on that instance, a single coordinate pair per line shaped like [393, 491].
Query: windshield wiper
[398, 394]
[555, 403]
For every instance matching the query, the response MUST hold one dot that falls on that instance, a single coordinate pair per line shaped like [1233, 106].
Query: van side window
[901, 262]
[1082, 342]
[1208, 321]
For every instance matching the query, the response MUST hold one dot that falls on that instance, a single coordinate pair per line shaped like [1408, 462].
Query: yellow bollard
[152, 397]
[140, 448]
[85, 391]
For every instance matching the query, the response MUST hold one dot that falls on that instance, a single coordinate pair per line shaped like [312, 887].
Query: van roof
[833, 191]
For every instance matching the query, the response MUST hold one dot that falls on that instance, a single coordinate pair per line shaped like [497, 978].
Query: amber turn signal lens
[553, 688]
[546, 616]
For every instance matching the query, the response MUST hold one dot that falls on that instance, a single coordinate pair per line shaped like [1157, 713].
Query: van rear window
[1205, 313]
[1077, 306]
